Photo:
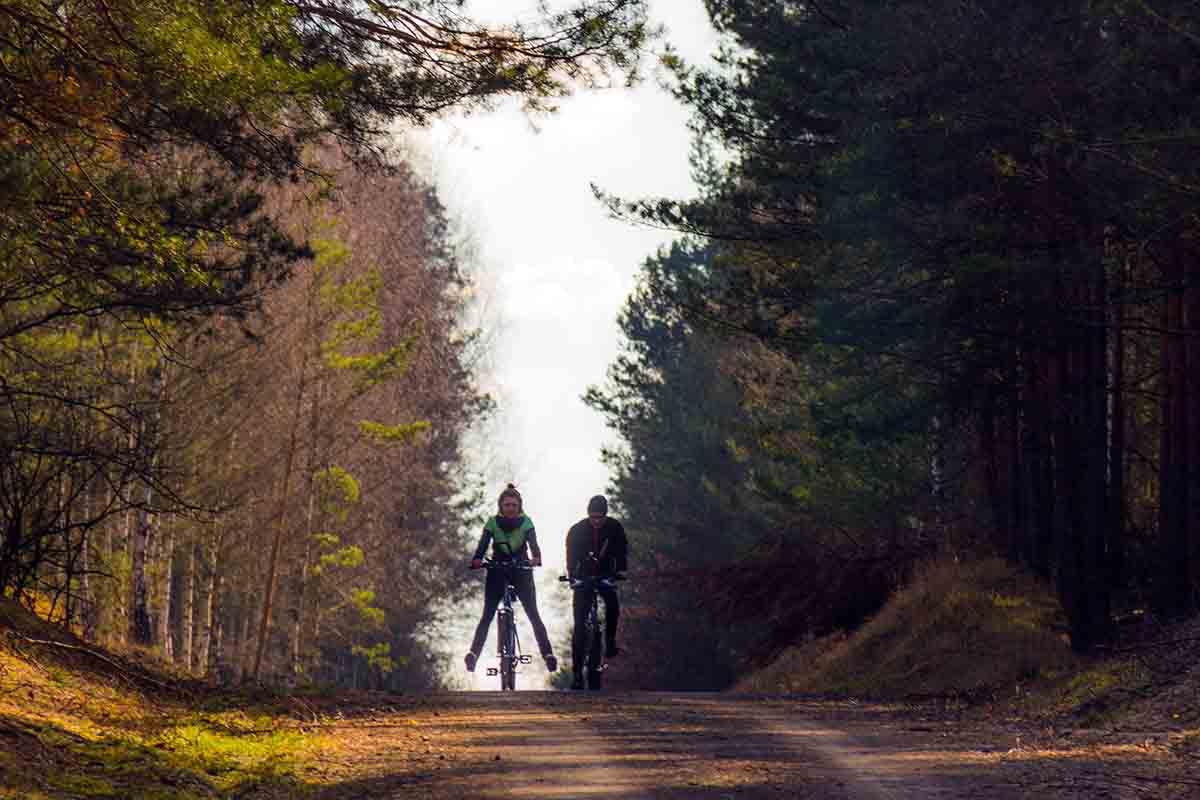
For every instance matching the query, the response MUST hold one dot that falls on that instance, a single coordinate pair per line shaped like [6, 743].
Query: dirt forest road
[675, 746]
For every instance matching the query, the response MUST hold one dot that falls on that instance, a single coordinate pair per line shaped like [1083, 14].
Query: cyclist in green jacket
[512, 537]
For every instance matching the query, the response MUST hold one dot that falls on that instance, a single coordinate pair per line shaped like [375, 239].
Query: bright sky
[555, 272]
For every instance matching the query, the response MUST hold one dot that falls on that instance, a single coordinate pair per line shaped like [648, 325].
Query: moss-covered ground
[77, 722]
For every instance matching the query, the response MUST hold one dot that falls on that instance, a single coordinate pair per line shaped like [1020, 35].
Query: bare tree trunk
[87, 625]
[1188, 544]
[188, 612]
[207, 655]
[1117, 435]
[166, 639]
[281, 516]
[244, 640]
[281, 521]
[302, 591]
[309, 530]
[140, 630]
[87, 597]
[70, 563]
[1172, 586]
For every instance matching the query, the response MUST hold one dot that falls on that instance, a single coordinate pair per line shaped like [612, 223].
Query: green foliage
[362, 600]
[138, 144]
[347, 557]
[911, 285]
[378, 656]
[354, 319]
[379, 433]
[337, 491]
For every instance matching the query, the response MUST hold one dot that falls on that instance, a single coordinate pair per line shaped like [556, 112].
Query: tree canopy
[951, 248]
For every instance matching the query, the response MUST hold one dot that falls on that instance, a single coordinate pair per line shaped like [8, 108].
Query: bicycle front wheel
[504, 632]
[595, 659]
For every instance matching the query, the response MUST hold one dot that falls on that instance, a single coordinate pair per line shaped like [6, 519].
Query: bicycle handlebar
[490, 563]
[583, 583]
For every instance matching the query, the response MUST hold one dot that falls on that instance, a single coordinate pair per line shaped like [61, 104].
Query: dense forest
[235, 367]
[940, 294]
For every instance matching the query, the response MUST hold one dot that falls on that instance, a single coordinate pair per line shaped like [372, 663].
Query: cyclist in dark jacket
[596, 547]
[513, 538]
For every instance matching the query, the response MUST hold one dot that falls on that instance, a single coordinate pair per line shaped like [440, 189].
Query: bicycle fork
[508, 646]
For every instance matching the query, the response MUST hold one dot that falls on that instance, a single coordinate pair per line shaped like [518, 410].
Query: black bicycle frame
[508, 645]
[593, 640]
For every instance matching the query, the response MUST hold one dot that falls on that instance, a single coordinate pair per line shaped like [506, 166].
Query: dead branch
[127, 673]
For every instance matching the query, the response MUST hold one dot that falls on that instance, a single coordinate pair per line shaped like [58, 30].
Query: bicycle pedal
[525, 659]
[493, 671]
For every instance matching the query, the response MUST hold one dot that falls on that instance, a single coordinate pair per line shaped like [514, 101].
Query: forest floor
[711, 746]
[77, 722]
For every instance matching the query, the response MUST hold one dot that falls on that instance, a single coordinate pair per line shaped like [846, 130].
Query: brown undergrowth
[989, 642]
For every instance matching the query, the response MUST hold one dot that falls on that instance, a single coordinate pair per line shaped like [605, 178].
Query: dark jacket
[609, 543]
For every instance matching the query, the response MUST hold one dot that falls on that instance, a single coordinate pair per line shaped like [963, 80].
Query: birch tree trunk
[208, 656]
[187, 613]
[140, 629]
[87, 599]
[166, 640]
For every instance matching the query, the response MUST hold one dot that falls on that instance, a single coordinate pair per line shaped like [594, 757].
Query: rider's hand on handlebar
[476, 563]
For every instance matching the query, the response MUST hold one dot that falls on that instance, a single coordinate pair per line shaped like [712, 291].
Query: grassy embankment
[984, 633]
[77, 722]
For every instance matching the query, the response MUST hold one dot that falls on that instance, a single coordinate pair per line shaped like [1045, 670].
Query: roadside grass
[76, 722]
[959, 629]
[990, 641]
[984, 633]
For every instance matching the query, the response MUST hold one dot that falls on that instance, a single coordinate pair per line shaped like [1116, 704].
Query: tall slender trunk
[166, 638]
[310, 521]
[140, 631]
[302, 589]
[70, 563]
[1188, 543]
[244, 641]
[87, 542]
[281, 522]
[210, 629]
[1171, 597]
[281, 516]
[140, 628]
[187, 613]
[1117, 425]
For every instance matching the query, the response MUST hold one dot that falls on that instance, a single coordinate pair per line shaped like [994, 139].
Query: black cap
[598, 503]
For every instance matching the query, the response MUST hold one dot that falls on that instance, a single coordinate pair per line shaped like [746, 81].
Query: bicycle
[593, 642]
[508, 645]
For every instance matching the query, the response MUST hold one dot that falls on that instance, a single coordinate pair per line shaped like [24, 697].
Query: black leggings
[493, 593]
[582, 603]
